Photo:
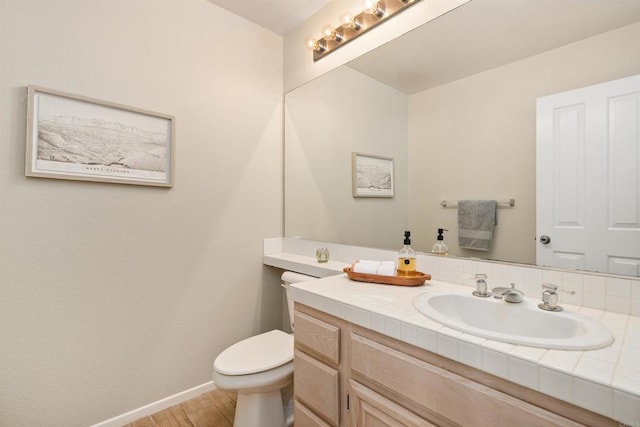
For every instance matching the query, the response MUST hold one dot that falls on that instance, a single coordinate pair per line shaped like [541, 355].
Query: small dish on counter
[416, 279]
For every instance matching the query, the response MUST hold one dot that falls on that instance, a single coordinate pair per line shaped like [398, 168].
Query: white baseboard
[157, 406]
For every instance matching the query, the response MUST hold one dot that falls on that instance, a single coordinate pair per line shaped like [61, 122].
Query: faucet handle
[481, 286]
[555, 288]
[550, 297]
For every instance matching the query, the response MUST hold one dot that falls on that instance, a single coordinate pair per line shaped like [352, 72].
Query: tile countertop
[606, 381]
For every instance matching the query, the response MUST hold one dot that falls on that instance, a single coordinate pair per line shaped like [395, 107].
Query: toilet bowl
[260, 370]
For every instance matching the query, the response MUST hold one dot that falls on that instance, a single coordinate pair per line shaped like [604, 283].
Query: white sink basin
[523, 323]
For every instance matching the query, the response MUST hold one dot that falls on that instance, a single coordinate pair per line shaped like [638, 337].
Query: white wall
[115, 296]
[475, 138]
[326, 120]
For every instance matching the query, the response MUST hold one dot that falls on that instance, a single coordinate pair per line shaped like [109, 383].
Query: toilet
[260, 370]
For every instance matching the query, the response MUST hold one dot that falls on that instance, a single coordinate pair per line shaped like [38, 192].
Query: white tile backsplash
[616, 294]
[594, 283]
[619, 287]
[635, 289]
[552, 276]
[594, 299]
[618, 304]
[516, 275]
[635, 307]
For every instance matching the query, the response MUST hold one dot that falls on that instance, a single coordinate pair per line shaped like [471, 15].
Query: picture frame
[372, 175]
[75, 137]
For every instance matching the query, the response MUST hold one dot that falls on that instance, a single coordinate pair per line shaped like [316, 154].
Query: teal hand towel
[476, 222]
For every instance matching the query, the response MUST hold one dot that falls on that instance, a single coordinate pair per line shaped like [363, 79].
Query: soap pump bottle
[406, 257]
[439, 248]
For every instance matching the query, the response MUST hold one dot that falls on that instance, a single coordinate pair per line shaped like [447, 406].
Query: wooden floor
[213, 409]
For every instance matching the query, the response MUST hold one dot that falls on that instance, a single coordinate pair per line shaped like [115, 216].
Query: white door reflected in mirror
[588, 178]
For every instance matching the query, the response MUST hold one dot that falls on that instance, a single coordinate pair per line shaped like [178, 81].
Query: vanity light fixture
[375, 12]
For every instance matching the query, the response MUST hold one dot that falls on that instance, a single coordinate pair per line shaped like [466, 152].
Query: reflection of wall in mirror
[477, 136]
[325, 122]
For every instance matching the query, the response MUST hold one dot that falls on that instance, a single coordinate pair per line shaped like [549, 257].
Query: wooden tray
[415, 279]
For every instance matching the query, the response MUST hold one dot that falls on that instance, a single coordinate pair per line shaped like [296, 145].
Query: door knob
[545, 240]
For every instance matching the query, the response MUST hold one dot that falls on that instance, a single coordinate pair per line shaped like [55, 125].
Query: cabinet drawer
[317, 336]
[317, 386]
[438, 391]
[304, 417]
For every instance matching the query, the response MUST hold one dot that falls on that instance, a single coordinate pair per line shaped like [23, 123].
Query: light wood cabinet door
[317, 386]
[370, 409]
[457, 399]
[304, 417]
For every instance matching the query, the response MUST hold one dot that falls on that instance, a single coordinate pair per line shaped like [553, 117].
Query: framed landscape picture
[79, 138]
[372, 176]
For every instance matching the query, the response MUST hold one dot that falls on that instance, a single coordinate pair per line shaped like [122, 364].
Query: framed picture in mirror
[372, 176]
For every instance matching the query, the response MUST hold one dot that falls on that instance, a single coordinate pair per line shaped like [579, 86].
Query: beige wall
[475, 138]
[115, 296]
[327, 120]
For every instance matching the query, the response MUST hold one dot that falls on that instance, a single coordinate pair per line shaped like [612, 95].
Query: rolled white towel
[366, 267]
[384, 268]
[387, 268]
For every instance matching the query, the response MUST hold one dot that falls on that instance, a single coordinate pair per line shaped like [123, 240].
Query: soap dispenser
[439, 248]
[406, 257]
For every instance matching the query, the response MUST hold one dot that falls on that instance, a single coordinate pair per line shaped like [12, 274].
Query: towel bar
[501, 203]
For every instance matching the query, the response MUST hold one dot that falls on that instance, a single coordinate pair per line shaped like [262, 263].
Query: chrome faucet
[510, 294]
[481, 286]
[550, 297]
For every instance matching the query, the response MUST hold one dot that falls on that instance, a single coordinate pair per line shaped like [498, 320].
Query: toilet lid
[256, 354]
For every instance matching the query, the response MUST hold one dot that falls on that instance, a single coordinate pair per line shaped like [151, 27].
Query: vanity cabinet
[346, 375]
[316, 365]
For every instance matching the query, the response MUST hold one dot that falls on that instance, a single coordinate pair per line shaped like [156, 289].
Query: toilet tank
[289, 277]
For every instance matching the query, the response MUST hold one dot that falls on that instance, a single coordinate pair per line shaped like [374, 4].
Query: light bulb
[319, 45]
[346, 20]
[311, 43]
[327, 32]
[374, 7]
[349, 21]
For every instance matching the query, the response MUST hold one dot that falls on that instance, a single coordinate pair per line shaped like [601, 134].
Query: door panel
[588, 178]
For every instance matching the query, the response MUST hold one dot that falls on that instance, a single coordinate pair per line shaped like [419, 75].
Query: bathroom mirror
[454, 104]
